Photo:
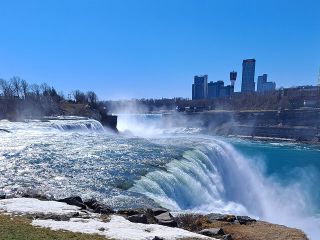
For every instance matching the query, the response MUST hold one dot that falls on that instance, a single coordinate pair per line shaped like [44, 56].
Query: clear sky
[153, 48]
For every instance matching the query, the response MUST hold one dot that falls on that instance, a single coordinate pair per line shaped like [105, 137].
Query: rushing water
[150, 165]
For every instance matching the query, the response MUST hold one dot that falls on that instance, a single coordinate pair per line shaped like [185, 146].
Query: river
[148, 164]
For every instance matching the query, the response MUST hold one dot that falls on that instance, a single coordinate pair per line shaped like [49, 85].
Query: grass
[20, 228]
[254, 231]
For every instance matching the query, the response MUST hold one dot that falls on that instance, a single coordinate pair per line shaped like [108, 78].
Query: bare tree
[92, 98]
[79, 96]
[35, 91]
[6, 89]
[24, 88]
[16, 86]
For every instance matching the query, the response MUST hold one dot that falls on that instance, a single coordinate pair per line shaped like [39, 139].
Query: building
[217, 90]
[226, 91]
[214, 89]
[233, 77]
[263, 85]
[248, 75]
[200, 87]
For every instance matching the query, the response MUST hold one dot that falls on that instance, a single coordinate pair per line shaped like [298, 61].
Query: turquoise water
[288, 164]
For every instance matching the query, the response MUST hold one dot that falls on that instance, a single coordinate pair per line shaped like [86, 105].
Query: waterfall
[215, 177]
[209, 178]
[79, 125]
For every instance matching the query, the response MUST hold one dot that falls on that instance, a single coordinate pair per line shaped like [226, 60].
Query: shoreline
[75, 215]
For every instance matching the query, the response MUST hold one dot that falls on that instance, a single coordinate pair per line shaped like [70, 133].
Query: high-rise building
[233, 77]
[217, 89]
[261, 81]
[263, 85]
[214, 89]
[248, 71]
[200, 87]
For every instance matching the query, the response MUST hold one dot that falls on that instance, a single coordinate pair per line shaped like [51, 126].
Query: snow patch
[118, 228]
[34, 206]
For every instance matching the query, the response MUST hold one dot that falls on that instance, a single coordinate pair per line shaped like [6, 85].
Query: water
[152, 164]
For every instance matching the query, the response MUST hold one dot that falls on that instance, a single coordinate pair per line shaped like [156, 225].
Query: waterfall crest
[79, 125]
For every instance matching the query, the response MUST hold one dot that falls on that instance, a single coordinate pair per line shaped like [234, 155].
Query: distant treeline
[289, 98]
[19, 99]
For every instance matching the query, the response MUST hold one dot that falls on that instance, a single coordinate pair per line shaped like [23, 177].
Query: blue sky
[149, 48]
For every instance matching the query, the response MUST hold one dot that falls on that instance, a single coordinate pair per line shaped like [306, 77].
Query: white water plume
[150, 125]
[216, 178]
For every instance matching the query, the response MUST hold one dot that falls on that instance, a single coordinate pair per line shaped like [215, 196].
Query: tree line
[17, 88]
[290, 98]
[20, 98]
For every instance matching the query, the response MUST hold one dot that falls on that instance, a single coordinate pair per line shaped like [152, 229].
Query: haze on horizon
[152, 49]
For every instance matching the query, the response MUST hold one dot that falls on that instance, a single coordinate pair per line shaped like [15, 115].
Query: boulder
[98, 207]
[55, 217]
[157, 238]
[212, 232]
[138, 218]
[158, 211]
[2, 196]
[129, 212]
[243, 220]
[31, 193]
[227, 237]
[75, 201]
[166, 219]
[221, 217]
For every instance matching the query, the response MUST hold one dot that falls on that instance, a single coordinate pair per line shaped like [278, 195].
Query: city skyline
[152, 49]
[202, 89]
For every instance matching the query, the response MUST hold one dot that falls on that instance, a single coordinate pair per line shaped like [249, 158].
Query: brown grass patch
[252, 231]
[20, 228]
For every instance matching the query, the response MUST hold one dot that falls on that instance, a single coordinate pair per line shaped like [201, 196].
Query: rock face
[98, 207]
[212, 232]
[109, 121]
[157, 238]
[150, 216]
[221, 217]
[75, 201]
[166, 219]
[227, 237]
[157, 211]
[245, 219]
[128, 212]
[31, 193]
[138, 218]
